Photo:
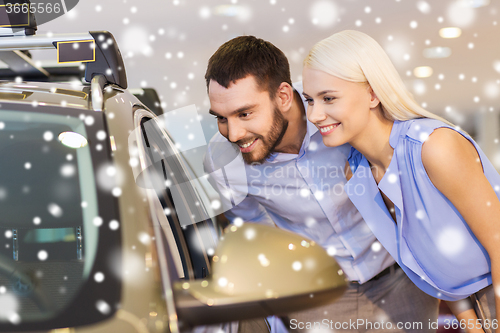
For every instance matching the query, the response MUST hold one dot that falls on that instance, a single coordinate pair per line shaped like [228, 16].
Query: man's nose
[236, 132]
[315, 114]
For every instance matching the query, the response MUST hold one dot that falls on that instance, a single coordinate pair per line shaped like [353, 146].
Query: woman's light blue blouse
[431, 241]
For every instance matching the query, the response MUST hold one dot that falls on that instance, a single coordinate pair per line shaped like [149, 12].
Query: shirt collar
[364, 193]
[398, 128]
[390, 184]
[282, 157]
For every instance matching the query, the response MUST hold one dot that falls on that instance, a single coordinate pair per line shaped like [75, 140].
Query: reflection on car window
[47, 200]
[50, 235]
[190, 224]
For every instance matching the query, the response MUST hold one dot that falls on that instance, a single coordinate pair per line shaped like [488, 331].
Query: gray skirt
[484, 305]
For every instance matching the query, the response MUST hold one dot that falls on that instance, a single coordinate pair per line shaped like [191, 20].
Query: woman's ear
[374, 101]
[284, 97]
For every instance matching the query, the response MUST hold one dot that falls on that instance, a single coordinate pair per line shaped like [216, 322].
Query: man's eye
[220, 119]
[244, 114]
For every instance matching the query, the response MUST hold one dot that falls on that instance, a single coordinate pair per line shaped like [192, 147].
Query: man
[293, 180]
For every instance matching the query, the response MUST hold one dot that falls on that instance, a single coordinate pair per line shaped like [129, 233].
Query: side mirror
[260, 271]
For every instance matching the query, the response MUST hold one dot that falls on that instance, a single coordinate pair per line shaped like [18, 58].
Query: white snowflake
[55, 210]
[99, 277]
[324, 13]
[423, 7]
[376, 247]
[42, 255]
[103, 307]
[451, 242]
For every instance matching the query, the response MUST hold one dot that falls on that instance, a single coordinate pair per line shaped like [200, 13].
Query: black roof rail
[108, 60]
[97, 49]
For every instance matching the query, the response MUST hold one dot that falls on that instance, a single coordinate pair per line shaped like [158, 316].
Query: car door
[164, 172]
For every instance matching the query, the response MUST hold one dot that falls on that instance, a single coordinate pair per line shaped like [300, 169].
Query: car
[149, 97]
[104, 228]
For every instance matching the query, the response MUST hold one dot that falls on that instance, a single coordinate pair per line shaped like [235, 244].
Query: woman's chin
[331, 142]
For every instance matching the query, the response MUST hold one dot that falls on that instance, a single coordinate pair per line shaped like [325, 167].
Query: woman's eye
[328, 99]
[309, 101]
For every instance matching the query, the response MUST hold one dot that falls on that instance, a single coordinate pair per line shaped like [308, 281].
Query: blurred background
[166, 45]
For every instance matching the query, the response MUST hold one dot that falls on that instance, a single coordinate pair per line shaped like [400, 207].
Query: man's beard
[273, 139]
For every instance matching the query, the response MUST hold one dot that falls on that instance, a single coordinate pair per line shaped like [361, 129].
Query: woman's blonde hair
[354, 56]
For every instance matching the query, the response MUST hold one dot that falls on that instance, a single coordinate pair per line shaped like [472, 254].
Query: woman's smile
[325, 130]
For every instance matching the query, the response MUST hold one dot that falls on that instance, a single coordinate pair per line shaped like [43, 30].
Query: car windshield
[48, 202]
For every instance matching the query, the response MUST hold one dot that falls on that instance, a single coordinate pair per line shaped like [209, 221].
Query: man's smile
[247, 147]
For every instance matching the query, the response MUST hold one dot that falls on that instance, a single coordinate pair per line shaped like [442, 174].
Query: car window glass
[49, 239]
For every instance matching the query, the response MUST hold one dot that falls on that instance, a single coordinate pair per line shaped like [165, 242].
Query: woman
[423, 186]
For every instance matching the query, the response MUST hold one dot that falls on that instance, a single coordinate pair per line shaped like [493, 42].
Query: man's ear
[284, 97]
[374, 101]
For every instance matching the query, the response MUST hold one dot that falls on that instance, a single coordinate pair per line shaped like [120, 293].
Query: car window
[50, 221]
[189, 221]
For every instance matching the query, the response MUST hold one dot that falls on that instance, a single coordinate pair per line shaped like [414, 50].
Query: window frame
[195, 265]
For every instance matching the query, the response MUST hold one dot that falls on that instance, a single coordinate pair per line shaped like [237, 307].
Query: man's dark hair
[249, 55]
